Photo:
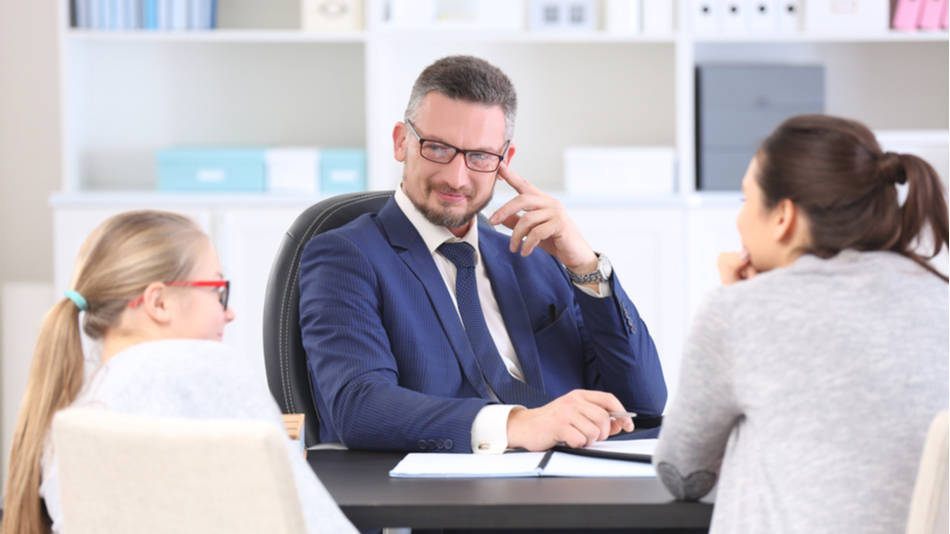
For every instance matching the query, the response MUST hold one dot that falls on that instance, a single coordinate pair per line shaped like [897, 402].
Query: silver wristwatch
[602, 274]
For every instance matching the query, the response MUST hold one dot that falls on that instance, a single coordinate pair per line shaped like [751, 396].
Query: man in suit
[426, 329]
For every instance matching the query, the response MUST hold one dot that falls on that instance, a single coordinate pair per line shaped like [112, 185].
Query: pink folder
[945, 17]
[930, 15]
[907, 14]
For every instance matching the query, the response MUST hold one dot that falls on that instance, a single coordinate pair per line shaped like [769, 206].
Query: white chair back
[132, 473]
[930, 505]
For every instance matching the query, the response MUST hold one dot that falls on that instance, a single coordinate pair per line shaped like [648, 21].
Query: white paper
[525, 464]
[564, 464]
[630, 446]
[451, 465]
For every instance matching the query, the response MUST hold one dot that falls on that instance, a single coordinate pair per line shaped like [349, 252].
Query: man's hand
[735, 266]
[577, 419]
[544, 223]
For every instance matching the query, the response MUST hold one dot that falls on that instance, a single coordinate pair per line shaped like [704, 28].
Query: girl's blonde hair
[117, 261]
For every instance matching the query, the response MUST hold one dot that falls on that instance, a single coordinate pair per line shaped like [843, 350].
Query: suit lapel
[508, 295]
[410, 247]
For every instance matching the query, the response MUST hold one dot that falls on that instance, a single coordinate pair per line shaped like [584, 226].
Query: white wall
[24, 306]
[29, 172]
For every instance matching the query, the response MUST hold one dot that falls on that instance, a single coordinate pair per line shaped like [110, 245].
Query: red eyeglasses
[222, 287]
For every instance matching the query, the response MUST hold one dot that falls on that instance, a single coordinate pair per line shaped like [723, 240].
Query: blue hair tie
[77, 299]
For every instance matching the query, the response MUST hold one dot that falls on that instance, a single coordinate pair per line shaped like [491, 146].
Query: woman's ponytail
[924, 213]
[55, 378]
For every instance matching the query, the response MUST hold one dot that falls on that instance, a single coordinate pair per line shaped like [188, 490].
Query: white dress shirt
[490, 427]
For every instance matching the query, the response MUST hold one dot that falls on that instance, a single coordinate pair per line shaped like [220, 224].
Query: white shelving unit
[258, 82]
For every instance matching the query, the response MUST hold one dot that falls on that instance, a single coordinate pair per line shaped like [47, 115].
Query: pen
[620, 415]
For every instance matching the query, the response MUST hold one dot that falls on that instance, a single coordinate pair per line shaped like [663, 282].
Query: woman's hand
[735, 266]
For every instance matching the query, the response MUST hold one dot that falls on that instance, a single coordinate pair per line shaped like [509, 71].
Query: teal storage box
[212, 170]
[342, 170]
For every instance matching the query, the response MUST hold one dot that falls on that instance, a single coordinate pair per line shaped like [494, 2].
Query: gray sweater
[806, 392]
[198, 380]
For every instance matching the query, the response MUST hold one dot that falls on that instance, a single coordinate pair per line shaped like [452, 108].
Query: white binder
[705, 17]
[761, 16]
[732, 14]
[788, 16]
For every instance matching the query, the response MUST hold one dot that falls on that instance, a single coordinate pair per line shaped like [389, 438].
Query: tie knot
[461, 254]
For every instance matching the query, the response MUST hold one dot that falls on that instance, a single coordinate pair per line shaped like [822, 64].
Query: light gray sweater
[806, 392]
[198, 380]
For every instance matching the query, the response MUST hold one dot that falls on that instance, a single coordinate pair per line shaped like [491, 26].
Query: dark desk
[360, 483]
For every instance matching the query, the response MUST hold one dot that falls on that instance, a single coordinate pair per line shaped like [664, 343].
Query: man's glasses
[444, 153]
[222, 288]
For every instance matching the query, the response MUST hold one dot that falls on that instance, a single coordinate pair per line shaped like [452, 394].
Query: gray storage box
[737, 105]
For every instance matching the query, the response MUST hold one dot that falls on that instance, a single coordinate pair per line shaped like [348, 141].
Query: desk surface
[359, 482]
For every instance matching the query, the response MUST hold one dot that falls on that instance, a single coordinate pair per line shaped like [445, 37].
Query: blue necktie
[508, 389]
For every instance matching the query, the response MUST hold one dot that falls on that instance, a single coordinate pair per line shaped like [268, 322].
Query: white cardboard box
[293, 170]
[456, 14]
[846, 16]
[622, 17]
[656, 17]
[619, 171]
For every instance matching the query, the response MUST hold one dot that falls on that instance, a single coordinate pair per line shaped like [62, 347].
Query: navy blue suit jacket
[389, 359]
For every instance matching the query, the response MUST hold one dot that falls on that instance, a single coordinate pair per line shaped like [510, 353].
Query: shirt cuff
[490, 429]
[603, 289]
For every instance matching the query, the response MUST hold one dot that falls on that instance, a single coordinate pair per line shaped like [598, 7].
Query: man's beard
[443, 218]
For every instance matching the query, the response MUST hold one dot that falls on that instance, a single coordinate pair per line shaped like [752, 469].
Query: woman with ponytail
[809, 380]
[149, 294]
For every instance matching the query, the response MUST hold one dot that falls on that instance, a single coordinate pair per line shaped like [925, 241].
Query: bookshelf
[258, 81]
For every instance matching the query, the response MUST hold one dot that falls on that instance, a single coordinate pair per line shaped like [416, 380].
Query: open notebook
[604, 459]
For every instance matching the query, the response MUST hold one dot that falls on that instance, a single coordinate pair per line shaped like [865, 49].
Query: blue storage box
[342, 170]
[212, 169]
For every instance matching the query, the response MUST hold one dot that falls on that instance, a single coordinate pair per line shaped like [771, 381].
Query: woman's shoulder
[184, 377]
[179, 363]
[177, 354]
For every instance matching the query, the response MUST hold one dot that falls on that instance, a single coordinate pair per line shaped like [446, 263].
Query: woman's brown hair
[117, 261]
[834, 170]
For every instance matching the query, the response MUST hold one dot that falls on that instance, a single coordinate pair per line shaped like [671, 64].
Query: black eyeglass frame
[457, 150]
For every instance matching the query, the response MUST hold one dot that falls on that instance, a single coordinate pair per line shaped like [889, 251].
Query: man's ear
[399, 141]
[156, 304]
[785, 218]
[510, 153]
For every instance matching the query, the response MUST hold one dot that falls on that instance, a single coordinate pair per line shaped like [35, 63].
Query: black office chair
[284, 357]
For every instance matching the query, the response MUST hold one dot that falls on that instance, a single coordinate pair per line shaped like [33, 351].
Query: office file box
[738, 105]
[211, 169]
[619, 171]
[906, 14]
[293, 170]
[342, 170]
[852, 16]
[930, 15]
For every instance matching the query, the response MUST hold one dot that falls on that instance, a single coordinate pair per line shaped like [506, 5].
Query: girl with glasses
[148, 294]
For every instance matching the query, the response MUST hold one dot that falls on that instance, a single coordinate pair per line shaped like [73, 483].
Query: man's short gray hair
[470, 79]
